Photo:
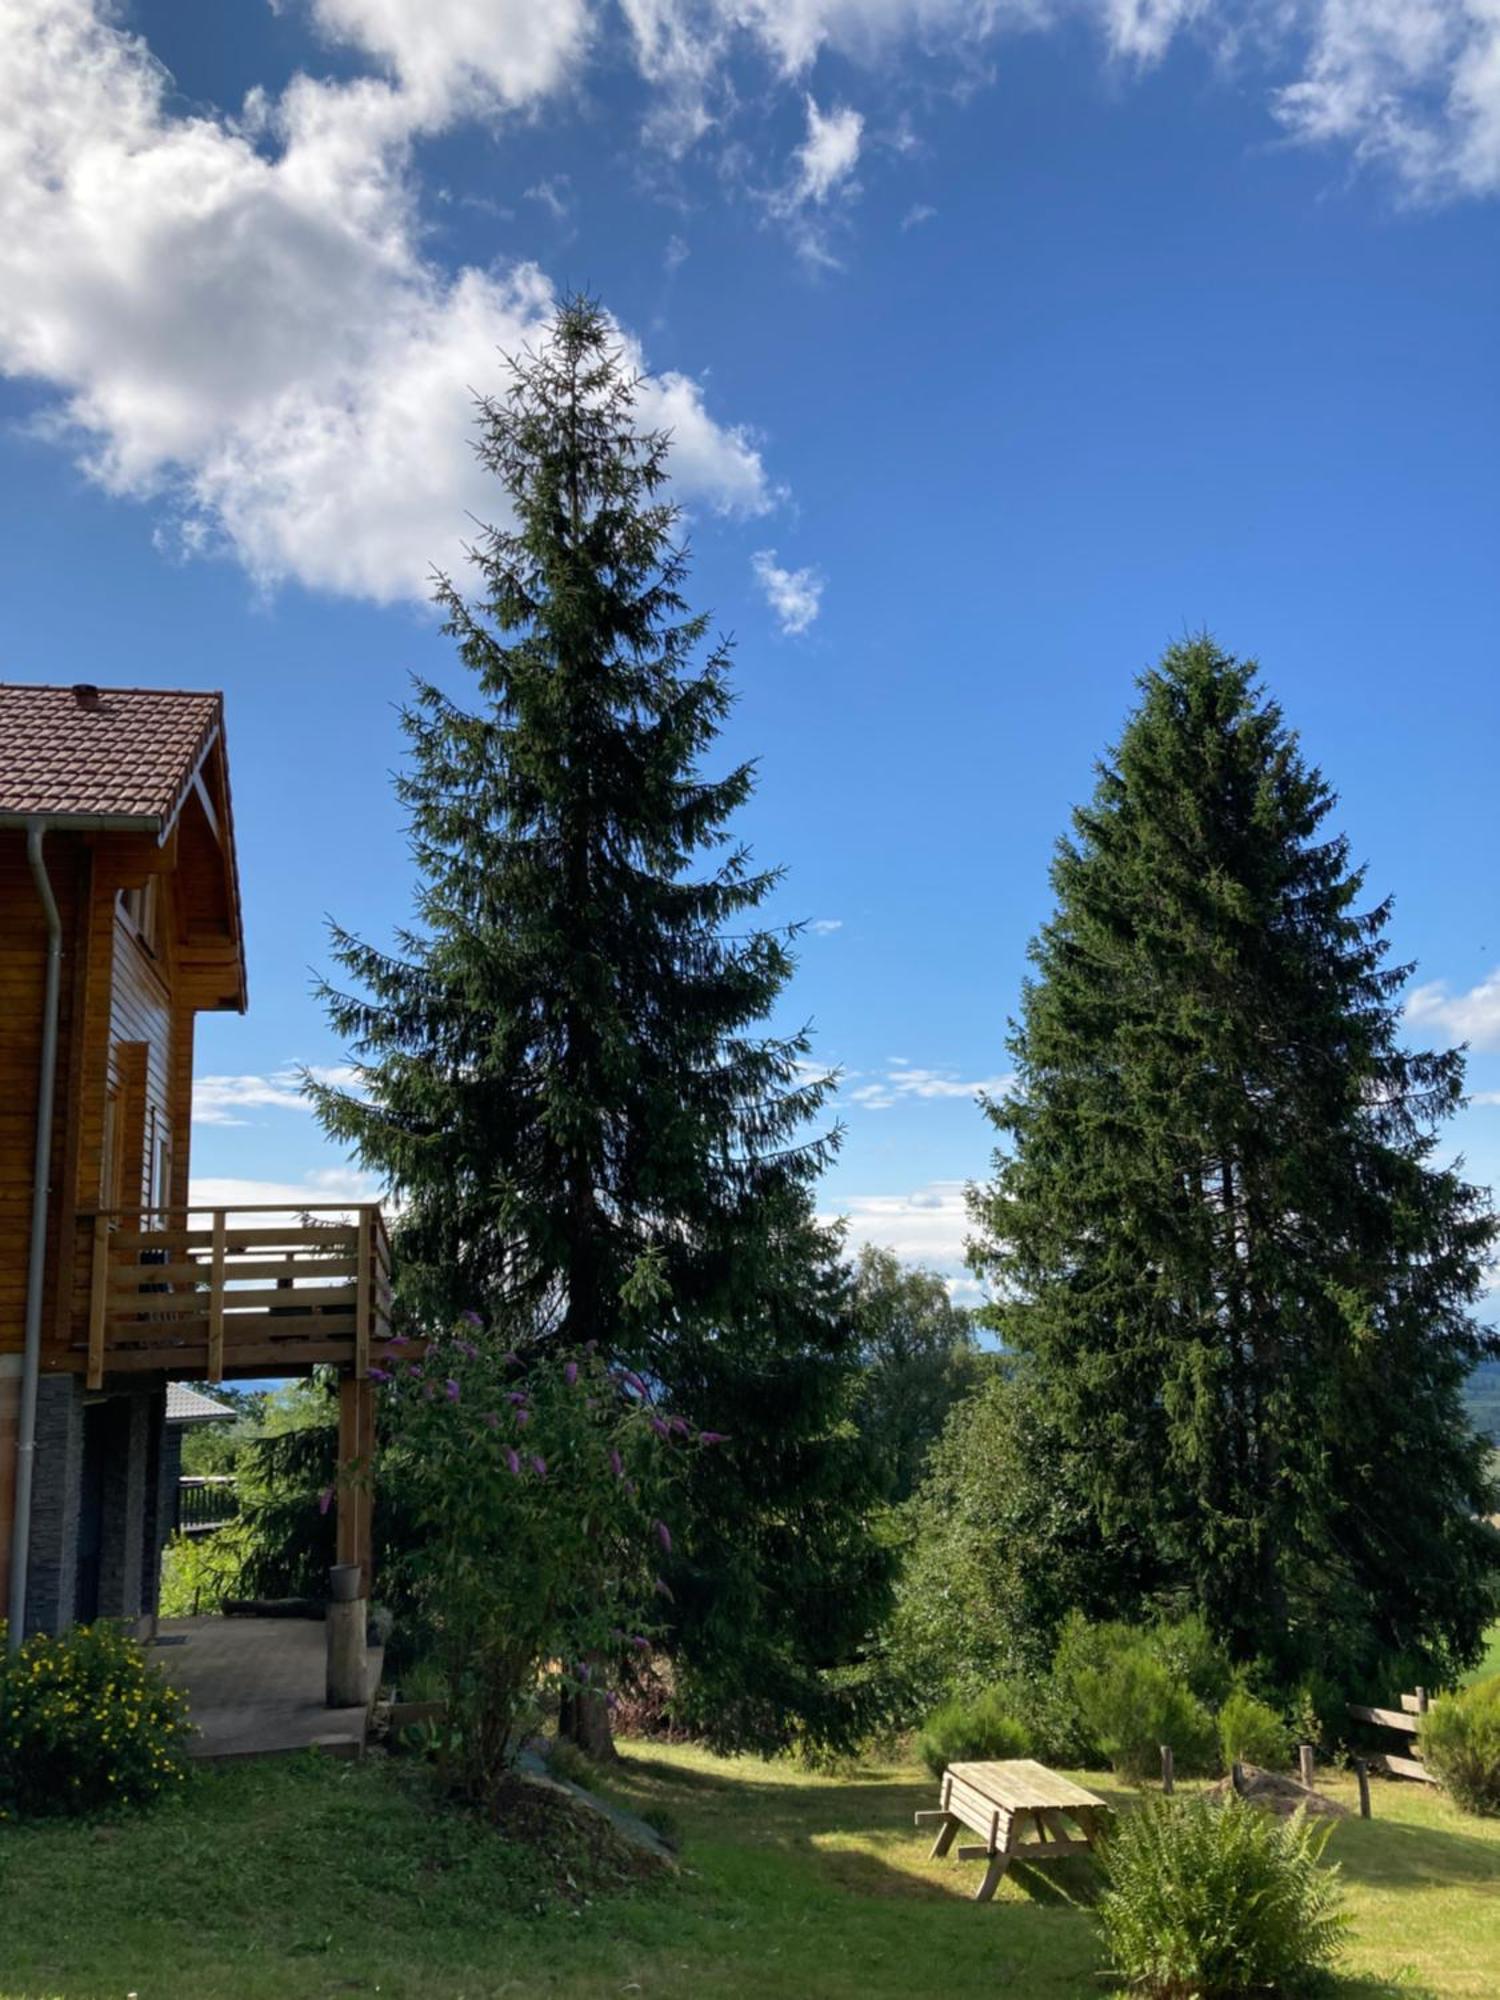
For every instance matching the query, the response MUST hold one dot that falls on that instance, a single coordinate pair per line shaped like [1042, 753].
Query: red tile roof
[113, 752]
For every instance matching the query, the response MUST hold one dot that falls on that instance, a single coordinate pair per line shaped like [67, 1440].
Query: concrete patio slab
[255, 1686]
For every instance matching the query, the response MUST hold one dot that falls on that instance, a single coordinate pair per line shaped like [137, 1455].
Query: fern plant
[1213, 1901]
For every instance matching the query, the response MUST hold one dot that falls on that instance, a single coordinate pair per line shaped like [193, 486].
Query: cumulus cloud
[238, 314]
[904, 1082]
[926, 1226]
[795, 595]
[464, 54]
[826, 926]
[1472, 1017]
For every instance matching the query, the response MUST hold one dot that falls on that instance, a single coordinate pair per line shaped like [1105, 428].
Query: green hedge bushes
[1459, 1742]
[1251, 1732]
[1207, 1901]
[86, 1723]
[961, 1731]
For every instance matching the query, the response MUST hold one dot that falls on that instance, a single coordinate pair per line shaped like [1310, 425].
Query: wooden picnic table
[1003, 1803]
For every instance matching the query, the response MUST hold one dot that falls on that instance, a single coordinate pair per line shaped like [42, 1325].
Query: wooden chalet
[119, 924]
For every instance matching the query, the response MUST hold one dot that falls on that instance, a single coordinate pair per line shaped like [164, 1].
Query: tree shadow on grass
[1395, 1854]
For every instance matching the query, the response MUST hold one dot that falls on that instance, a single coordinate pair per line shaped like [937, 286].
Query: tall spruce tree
[1236, 1275]
[563, 1070]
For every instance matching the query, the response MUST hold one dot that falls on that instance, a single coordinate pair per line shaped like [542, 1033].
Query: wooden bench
[1006, 1802]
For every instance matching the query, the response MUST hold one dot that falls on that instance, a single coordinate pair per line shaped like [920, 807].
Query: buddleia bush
[1211, 1901]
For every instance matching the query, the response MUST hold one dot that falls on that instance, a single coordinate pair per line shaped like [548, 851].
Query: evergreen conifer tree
[563, 1069]
[1236, 1274]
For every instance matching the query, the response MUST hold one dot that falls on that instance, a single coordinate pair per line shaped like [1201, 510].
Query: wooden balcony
[214, 1293]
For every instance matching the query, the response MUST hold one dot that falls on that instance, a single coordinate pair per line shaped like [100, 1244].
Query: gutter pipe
[36, 1264]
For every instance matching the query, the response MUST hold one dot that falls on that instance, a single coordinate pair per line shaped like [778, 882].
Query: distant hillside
[1484, 1398]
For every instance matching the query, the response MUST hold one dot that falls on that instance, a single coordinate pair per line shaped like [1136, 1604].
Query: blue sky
[1001, 345]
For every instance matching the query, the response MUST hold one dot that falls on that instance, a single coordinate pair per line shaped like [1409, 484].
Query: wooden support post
[1362, 1779]
[216, 1301]
[356, 1472]
[364, 1295]
[1305, 1764]
[1167, 1773]
[98, 1295]
[1421, 1701]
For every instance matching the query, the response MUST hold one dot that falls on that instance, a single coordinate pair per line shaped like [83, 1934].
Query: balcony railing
[206, 1292]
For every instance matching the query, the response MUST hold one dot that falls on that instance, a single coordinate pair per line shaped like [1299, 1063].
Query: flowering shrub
[536, 1499]
[86, 1722]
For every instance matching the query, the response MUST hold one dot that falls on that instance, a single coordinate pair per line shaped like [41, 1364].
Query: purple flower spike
[583, 1670]
[513, 1459]
[641, 1645]
[468, 1350]
[611, 1699]
[664, 1536]
[378, 1374]
[491, 1419]
[570, 1373]
[659, 1586]
[451, 1389]
[662, 1430]
[523, 1416]
[325, 1500]
[397, 1340]
[616, 1464]
[470, 1317]
[539, 1467]
[712, 1437]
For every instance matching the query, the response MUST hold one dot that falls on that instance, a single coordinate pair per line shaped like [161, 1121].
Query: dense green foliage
[87, 1723]
[985, 1580]
[1460, 1742]
[1136, 1688]
[563, 1069]
[1237, 1281]
[918, 1358]
[963, 1730]
[1217, 1901]
[1251, 1732]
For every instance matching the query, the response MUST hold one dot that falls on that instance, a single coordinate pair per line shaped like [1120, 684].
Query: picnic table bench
[1004, 1802]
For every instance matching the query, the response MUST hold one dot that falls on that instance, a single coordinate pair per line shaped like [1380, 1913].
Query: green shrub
[199, 1571]
[1251, 1732]
[1459, 1741]
[1137, 1687]
[964, 1730]
[1208, 1900]
[86, 1722]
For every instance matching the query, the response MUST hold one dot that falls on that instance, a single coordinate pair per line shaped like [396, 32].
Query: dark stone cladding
[56, 1490]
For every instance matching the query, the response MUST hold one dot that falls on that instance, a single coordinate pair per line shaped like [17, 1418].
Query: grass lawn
[1490, 1664]
[313, 1878]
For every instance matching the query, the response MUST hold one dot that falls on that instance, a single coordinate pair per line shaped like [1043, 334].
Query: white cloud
[916, 215]
[928, 1226]
[323, 1187]
[826, 159]
[795, 595]
[474, 54]
[825, 926]
[1472, 1017]
[216, 1099]
[1411, 83]
[238, 316]
[903, 1082]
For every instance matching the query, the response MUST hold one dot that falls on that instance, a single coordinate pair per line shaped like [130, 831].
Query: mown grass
[310, 1879]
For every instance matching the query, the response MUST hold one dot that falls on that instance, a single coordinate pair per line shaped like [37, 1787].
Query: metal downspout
[36, 1264]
